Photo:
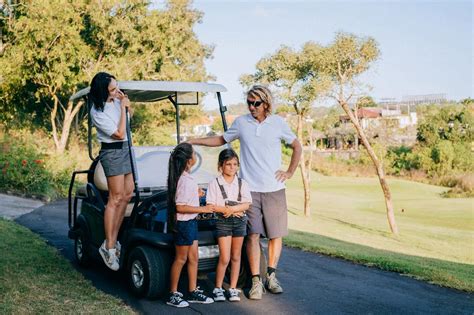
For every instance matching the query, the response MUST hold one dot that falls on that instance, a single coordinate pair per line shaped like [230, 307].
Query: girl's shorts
[186, 232]
[231, 226]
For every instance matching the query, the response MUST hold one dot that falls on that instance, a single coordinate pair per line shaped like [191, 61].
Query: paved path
[12, 207]
[314, 284]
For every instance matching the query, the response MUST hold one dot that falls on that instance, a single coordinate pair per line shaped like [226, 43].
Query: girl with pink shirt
[231, 197]
[183, 202]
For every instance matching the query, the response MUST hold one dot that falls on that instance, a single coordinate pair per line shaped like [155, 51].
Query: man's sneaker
[118, 248]
[176, 299]
[273, 285]
[234, 295]
[257, 289]
[218, 295]
[197, 296]
[110, 257]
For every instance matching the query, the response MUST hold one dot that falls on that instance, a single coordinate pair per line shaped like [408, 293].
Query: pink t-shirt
[187, 194]
[214, 195]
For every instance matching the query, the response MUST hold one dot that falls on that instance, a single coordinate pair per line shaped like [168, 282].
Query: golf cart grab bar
[71, 218]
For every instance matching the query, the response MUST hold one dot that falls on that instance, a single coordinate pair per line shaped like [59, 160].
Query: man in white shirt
[260, 134]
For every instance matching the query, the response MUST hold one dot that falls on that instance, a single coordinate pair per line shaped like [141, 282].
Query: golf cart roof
[152, 91]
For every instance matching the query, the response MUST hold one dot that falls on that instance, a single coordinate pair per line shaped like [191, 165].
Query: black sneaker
[218, 295]
[176, 299]
[197, 296]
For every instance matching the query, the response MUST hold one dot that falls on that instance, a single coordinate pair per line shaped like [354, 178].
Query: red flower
[38, 161]
[23, 162]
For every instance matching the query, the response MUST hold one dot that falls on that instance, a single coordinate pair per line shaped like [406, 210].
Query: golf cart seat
[149, 179]
[148, 182]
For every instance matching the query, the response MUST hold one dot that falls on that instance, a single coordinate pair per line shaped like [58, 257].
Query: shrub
[24, 170]
[28, 168]
[462, 186]
[400, 159]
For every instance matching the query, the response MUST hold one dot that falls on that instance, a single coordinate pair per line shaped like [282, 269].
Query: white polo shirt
[107, 121]
[260, 149]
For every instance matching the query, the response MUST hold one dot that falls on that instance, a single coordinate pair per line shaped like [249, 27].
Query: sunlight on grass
[353, 210]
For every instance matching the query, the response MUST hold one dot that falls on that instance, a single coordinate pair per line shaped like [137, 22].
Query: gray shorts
[115, 161]
[268, 215]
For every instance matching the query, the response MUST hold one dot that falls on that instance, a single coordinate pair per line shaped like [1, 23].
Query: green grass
[35, 278]
[441, 272]
[348, 220]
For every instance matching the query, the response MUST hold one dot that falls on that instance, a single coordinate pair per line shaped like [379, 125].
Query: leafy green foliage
[444, 140]
[366, 101]
[453, 123]
[52, 49]
[26, 170]
[23, 170]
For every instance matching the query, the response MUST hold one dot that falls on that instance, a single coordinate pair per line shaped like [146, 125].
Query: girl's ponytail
[179, 158]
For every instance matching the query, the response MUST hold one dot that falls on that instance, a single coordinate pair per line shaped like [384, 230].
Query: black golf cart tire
[83, 258]
[245, 276]
[156, 266]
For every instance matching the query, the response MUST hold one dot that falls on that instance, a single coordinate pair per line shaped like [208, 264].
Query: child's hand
[227, 211]
[239, 214]
[208, 209]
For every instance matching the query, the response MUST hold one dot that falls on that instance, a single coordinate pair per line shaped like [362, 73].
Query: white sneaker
[257, 289]
[118, 248]
[273, 284]
[176, 299]
[218, 295]
[234, 295]
[110, 257]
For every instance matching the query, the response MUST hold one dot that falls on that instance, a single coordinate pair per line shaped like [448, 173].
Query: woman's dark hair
[225, 155]
[179, 158]
[99, 91]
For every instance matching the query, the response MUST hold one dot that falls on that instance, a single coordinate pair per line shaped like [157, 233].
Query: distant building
[424, 99]
[373, 117]
[401, 120]
[368, 117]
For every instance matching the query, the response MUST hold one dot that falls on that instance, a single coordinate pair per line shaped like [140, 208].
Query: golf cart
[147, 243]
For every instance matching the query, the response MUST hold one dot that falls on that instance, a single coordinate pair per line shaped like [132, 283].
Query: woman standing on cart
[108, 115]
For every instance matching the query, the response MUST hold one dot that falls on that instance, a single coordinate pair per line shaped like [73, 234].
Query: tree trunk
[304, 170]
[311, 144]
[54, 112]
[69, 114]
[378, 167]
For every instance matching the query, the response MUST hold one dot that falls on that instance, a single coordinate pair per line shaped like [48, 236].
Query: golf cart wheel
[245, 276]
[81, 244]
[148, 271]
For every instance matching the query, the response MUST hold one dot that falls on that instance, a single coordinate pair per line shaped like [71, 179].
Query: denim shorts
[186, 232]
[231, 226]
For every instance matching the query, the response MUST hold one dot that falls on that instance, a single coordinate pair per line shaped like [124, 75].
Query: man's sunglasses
[254, 103]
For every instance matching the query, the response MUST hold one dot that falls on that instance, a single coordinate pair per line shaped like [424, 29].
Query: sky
[426, 47]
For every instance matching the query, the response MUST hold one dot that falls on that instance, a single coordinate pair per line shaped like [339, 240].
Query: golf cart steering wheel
[198, 162]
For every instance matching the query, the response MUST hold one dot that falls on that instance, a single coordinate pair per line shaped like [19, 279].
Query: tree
[296, 83]
[445, 135]
[57, 47]
[365, 101]
[343, 62]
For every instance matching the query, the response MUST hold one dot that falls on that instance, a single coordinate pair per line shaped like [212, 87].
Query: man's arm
[214, 141]
[295, 158]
